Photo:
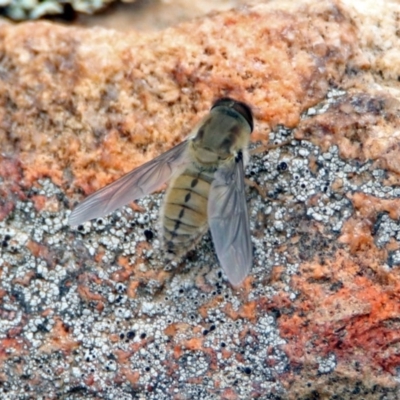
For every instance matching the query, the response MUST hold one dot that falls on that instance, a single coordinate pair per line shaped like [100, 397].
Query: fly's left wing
[229, 221]
[135, 184]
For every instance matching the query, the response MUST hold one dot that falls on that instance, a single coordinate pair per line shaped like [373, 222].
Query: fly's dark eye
[243, 109]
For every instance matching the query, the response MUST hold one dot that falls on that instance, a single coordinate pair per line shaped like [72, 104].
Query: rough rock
[91, 313]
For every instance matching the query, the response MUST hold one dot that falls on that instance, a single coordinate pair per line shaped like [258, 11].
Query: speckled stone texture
[90, 313]
[20, 10]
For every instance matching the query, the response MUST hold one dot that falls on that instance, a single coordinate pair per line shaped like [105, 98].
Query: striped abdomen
[184, 219]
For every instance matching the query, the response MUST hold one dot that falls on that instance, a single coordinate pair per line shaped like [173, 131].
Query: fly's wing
[229, 221]
[135, 184]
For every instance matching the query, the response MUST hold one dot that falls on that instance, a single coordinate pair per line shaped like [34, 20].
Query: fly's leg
[267, 147]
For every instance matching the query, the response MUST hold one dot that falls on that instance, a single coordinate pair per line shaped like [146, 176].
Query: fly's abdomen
[184, 219]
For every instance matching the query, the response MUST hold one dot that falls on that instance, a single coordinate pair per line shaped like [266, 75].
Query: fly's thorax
[222, 135]
[203, 159]
[184, 214]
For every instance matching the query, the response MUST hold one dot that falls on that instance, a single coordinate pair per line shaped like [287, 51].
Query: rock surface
[90, 312]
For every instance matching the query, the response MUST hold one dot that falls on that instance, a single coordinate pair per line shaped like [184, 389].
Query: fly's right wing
[229, 221]
[135, 184]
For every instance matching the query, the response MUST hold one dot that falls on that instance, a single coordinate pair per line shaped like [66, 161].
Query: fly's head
[227, 128]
